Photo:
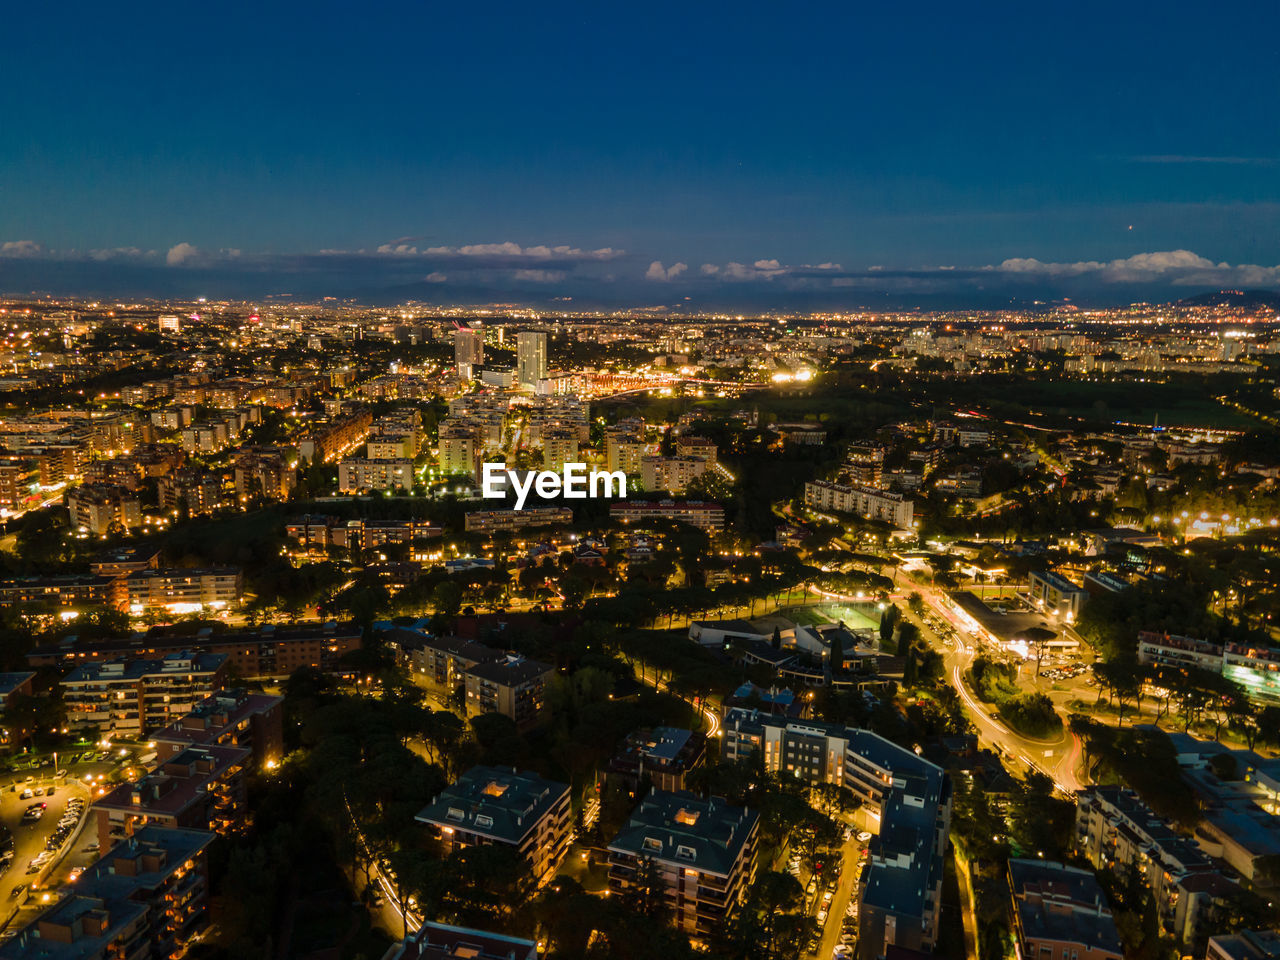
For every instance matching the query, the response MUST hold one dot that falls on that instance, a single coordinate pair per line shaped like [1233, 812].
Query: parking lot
[41, 827]
[35, 873]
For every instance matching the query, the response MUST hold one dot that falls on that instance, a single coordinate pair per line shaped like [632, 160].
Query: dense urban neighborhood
[864, 635]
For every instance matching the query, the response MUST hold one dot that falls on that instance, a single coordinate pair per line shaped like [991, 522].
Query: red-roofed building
[200, 788]
[234, 718]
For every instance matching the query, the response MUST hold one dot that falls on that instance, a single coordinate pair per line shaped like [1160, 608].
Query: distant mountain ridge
[1237, 299]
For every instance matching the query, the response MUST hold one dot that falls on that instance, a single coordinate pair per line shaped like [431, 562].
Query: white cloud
[1179, 267]
[436, 277]
[20, 249]
[116, 253]
[760, 270]
[513, 251]
[180, 253]
[540, 276]
[657, 272]
[398, 250]
[507, 249]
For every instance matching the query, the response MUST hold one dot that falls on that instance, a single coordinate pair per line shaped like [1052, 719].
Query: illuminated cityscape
[574, 485]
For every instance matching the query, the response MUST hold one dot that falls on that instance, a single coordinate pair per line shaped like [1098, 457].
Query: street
[844, 893]
[1057, 759]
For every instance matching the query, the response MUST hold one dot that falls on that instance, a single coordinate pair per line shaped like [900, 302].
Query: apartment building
[697, 447]
[1116, 831]
[1061, 911]
[661, 757]
[330, 439]
[493, 521]
[869, 502]
[19, 481]
[900, 891]
[145, 898]
[267, 474]
[265, 652]
[626, 453]
[512, 686]
[704, 851]
[671, 474]
[131, 697]
[201, 788]
[195, 491]
[392, 447]
[183, 590]
[1245, 945]
[697, 513]
[357, 476]
[318, 531]
[97, 509]
[442, 662]
[459, 450]
[73, 591]
[559, 446]
[500, 806]
[1257, 669]
[235, 718]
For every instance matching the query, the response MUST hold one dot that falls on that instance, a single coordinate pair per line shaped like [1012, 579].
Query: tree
[1038, 639]
[837, 652]
[446, 599]
[887, 621]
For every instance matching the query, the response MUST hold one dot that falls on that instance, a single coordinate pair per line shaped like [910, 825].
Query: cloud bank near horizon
[601, 274]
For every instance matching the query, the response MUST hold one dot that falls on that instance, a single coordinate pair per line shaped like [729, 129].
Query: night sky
[640, 154]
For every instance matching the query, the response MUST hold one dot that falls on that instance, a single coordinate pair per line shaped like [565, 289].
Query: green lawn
[854, 617]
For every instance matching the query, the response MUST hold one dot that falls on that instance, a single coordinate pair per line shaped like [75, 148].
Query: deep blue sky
[942, 135]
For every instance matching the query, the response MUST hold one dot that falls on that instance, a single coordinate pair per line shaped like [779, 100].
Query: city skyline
[615, 482]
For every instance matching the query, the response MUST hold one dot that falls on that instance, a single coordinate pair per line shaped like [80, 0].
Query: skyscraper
[468, 350]
[531, 359]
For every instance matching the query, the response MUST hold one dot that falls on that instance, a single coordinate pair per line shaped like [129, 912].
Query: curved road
[1059, 759]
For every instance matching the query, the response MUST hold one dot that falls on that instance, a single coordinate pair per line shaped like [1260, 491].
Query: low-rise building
[1245, 945]
[440, 941]
[492, 805]
[493, 521]
[1257, 669]
[73, 591]
[696, 513]
[703, 851]
[1056, 596]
